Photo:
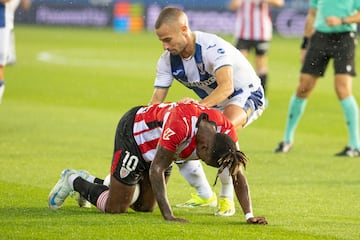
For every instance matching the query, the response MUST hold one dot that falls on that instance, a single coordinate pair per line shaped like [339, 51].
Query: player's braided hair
[226, 155]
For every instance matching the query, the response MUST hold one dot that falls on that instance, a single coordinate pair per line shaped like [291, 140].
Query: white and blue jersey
[198, 72]
[7, 12]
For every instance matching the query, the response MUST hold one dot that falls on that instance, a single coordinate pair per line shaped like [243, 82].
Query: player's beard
[173, 51]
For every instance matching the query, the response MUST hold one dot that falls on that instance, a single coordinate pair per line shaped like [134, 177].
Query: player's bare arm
[162, 161]
[224, 79]
[25, 4]
[352, 19]
[310, 19]
[336, 21]
[159, 95]
[243, 194]
[308, 31]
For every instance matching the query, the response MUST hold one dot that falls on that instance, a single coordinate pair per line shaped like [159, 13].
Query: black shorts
[128, 166]
[325, 46]
[261, 47]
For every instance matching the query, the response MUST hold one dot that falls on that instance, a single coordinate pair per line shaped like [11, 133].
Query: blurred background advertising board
[140, 15]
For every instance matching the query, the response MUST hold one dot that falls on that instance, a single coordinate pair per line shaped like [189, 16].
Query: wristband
[249, 215]
[305, 43]
[343, 21]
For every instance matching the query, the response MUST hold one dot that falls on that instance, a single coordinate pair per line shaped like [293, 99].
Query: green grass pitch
[65, 96]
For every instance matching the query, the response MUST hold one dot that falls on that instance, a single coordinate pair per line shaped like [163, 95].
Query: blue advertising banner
[140, 15]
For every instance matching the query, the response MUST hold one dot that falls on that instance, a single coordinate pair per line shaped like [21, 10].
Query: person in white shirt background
[7, 39]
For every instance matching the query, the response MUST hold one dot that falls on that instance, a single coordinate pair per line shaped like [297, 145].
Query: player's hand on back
[188, 100]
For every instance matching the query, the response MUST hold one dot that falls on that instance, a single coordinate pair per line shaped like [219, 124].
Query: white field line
[75, 58]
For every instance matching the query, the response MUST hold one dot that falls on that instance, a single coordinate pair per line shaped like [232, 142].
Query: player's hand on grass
[175, 219]
[257, 220]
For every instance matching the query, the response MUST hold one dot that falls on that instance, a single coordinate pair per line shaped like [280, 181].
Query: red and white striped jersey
[253, 21]
[173, 126]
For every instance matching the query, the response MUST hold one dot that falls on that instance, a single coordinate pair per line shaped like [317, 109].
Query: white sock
[194, 173]
[12, 51]
[90, 179]
[2, 89]
[71, 180]
[227, 187]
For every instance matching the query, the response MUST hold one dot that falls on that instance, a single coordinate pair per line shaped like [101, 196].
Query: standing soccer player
[330, 33]
[24, 5]
[6, 25]
[221, 77]
[253, 31]
[7, 12]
